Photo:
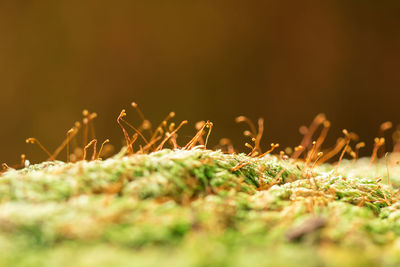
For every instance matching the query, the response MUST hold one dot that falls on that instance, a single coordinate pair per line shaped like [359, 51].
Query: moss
[189, 208]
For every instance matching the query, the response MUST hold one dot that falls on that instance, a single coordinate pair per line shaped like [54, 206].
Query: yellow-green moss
[189, 208]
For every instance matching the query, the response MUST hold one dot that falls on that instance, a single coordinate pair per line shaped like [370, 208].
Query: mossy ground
[188, 208]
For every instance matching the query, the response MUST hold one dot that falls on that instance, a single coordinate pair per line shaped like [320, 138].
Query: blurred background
[285, 61]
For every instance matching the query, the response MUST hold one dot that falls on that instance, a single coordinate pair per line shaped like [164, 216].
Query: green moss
[188, 208]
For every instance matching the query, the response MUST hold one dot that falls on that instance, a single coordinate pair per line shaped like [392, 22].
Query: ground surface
[189, 208]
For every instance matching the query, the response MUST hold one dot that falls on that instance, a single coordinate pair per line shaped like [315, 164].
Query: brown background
[281, 60]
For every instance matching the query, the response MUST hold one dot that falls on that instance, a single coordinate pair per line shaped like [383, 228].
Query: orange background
[285, 61]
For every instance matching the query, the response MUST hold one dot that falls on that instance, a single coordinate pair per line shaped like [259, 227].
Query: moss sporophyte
[157, 202]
